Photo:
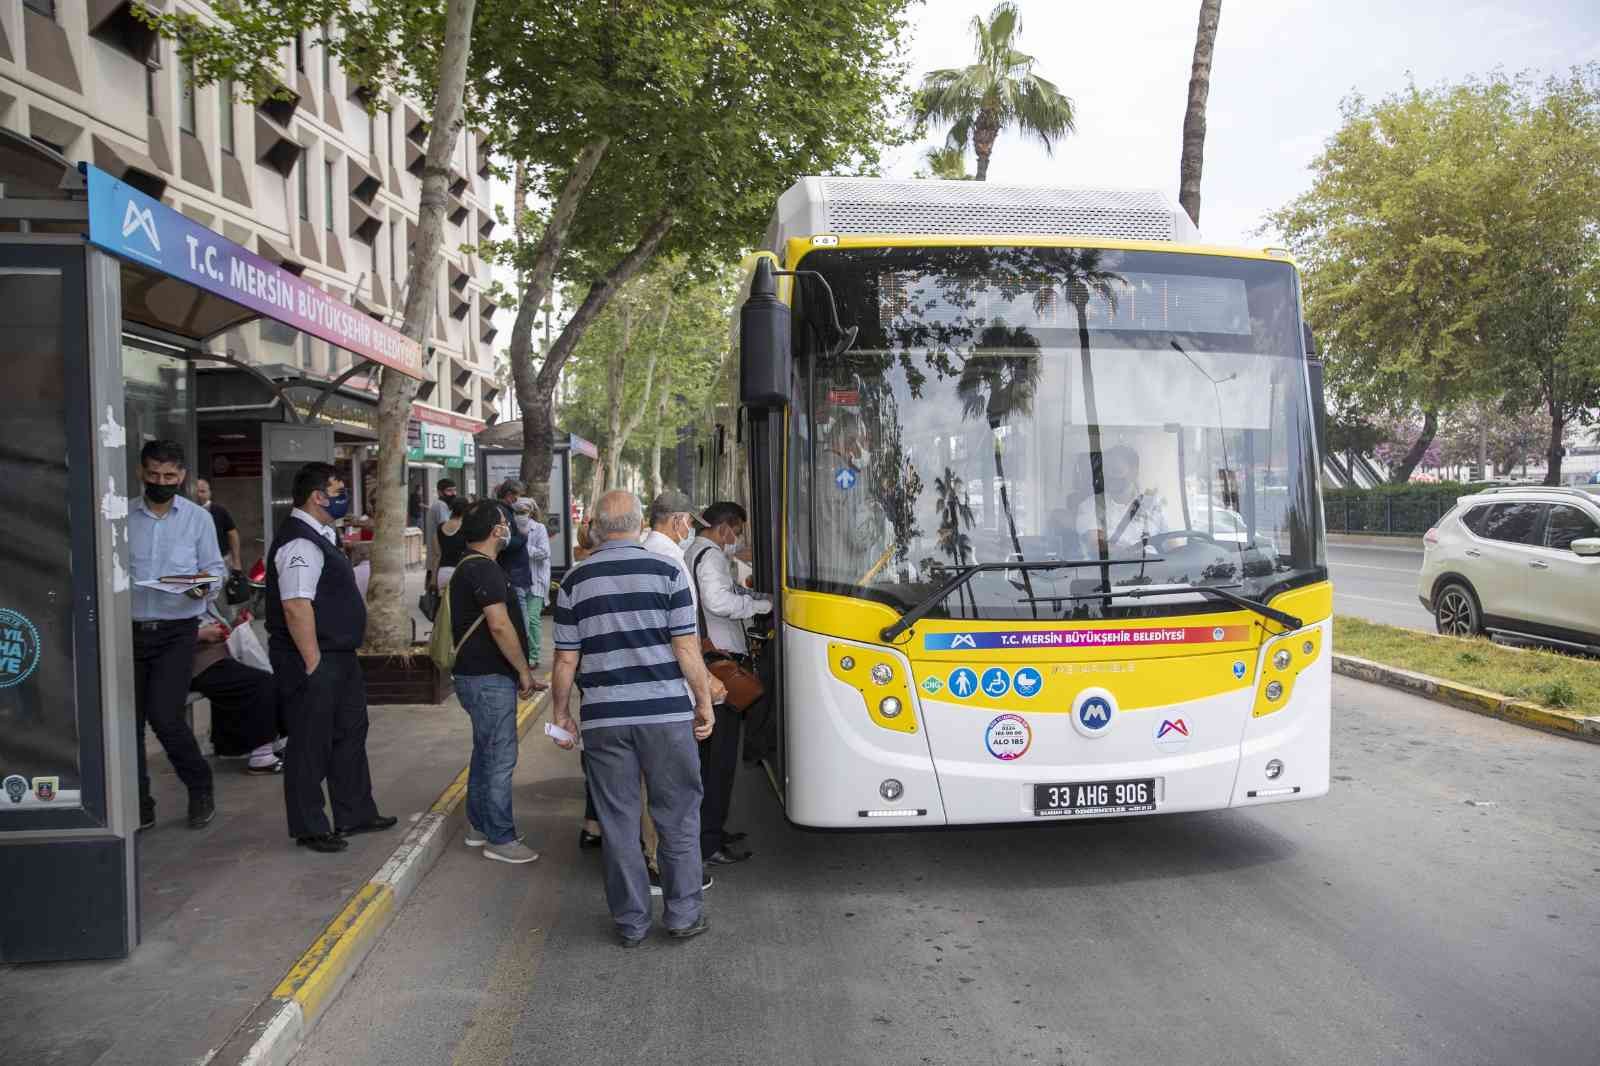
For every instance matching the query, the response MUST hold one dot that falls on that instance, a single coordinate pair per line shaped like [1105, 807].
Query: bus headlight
[1280, 658]
[889, 707]
[891, 790]
[882, 673]
[1274, 690]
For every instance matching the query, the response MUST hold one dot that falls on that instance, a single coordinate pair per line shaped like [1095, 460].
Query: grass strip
[1563, 682]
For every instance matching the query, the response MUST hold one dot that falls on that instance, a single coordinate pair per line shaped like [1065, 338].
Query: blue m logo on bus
[1093, 712]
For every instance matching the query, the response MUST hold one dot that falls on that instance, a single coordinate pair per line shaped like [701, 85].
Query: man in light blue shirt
[530, 520]
[169, 537]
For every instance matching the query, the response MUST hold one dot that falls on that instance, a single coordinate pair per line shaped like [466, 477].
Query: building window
[389, 127]
[186, 121]
[306, 358]
[225, 103]
[327, 196]
[149, 90]
[327, 58]
[300, 52]
[305, 187]
[47, 8]
[372, 138]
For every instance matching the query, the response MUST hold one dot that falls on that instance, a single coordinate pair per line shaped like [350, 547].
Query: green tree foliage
[997, 91]
[1448, 243]
[695, 117]
[947, 162]
[1543, 321]
[646, 368]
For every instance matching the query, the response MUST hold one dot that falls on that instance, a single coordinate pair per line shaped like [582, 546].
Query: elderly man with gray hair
[626, 633]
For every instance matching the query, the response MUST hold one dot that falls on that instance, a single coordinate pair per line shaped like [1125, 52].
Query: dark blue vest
[340, 610]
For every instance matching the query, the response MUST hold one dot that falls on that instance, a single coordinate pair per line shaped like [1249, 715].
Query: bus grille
[875, 206]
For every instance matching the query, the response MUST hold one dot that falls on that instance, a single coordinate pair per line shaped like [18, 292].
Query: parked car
[1522, 561]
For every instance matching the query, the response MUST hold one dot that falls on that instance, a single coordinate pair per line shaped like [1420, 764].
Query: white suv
[1520, 561]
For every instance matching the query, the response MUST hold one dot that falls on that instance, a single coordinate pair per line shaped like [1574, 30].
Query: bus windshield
[1139, 418]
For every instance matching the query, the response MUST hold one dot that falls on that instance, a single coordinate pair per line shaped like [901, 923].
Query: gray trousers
[669, 760]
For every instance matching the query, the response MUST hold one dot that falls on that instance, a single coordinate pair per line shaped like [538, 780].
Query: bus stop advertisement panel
[69, 882]
[496, 465]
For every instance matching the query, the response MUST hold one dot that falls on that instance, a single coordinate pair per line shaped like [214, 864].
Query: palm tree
[948, 162]
[1194, 116]
[997, 91]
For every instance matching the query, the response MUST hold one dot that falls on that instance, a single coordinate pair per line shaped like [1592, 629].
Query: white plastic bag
[246, 647]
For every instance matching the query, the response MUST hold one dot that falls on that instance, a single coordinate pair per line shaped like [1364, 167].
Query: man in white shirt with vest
[722, 607]
[316, 621]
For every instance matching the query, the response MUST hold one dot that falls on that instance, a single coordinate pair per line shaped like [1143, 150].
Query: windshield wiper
[1283, 618]
[938, 596]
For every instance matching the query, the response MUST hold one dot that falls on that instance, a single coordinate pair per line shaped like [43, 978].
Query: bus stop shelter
[87, 259]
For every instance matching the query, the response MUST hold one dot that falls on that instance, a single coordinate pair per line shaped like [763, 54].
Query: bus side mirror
[765, 358]
[1319, 396]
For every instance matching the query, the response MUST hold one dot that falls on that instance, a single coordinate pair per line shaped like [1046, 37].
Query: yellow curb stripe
[1468, 698]
[311, 979]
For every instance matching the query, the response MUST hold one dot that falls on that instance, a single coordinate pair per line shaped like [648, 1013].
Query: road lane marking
[1385, 569]
[1376, 599]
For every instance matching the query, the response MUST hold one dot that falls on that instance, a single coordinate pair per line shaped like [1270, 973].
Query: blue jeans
[491, 701]
[667, 756]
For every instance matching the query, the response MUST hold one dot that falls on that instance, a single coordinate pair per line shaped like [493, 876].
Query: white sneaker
[475, 839]
[514, 851]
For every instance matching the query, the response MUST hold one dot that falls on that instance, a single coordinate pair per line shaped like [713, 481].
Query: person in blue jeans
[490, 673]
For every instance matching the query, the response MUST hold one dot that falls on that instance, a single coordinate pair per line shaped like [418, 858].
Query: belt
[164, 623]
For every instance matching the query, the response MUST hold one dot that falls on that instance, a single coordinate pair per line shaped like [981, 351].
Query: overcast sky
[1280, 70]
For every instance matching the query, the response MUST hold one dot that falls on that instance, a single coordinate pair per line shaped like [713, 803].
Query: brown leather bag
[743, 684]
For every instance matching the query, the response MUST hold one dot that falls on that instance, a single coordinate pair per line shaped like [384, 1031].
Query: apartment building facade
[320, 184]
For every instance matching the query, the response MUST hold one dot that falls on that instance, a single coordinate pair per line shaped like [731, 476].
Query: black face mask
[159, 493]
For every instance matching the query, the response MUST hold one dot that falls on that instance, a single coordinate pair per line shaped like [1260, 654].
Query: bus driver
[1132, 515]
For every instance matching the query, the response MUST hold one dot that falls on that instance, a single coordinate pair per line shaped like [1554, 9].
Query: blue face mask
[338, 506]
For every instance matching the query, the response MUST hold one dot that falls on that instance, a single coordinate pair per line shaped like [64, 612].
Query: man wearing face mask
[723, 607]
[1131, 514]
[316, 619]
[169, 537]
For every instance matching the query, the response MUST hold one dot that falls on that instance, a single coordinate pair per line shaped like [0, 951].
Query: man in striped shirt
[626, 633]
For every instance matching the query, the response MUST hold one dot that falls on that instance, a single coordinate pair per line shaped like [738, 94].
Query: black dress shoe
[732, 838]
[147, 813]
[587, 839]
[202, 808]
[325, 842]
[375, 825]
[700, 925]
[726, 857]
[629, 941]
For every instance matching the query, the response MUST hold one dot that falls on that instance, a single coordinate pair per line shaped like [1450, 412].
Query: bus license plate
[1094, 797]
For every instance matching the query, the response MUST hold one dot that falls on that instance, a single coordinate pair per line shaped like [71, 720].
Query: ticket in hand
[556, 733]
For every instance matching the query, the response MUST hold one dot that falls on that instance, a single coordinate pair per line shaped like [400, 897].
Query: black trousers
[327, 718]
[163, 656]
[719, 761]
[244, 706]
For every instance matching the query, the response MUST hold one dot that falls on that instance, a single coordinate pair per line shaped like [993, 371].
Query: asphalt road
[1437, 907]
[1378, 584]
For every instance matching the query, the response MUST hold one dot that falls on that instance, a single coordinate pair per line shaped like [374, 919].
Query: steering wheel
[1197, 534]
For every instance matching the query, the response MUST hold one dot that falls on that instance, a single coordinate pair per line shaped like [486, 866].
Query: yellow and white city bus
[1033, 482]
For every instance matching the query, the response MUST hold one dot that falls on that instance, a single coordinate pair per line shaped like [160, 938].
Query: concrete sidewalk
[226, 911]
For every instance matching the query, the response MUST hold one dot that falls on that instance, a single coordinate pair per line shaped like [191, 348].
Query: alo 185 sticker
[1008, 737]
